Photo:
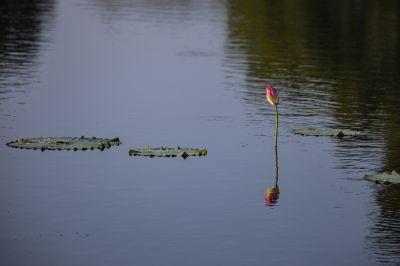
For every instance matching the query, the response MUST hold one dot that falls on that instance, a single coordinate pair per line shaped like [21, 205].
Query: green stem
[276, 146]
[276, 126]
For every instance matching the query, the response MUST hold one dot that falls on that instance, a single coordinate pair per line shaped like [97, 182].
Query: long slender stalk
[276, 146]
[276, 126]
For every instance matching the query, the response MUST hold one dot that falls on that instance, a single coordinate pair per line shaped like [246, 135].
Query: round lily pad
[384, 178]
[64, 143]
[340, 133]
[168, 152]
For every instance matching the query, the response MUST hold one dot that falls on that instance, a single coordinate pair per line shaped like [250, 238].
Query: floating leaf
[384, 178]
[340, 133]
[64, 143]
[168, 152]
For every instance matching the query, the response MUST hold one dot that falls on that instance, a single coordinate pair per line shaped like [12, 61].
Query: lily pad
[64, 143]
[384, 178]
[340, 133]
[168, 152]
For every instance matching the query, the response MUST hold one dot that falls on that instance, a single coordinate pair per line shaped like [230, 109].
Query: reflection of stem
[276, 146]
[272, 193]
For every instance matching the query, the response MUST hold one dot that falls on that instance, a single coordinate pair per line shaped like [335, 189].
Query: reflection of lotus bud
[271, 95]
[271, 196]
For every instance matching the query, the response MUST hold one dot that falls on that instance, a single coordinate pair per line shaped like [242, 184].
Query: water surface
[192, 73]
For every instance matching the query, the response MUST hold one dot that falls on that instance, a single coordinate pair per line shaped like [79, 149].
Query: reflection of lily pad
[168, 152]
[64, 143]
[340, 133]
[384, 178]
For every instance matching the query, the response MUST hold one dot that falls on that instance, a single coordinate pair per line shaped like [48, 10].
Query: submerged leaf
[64, 143]
[168, 152]
[384, 178]
[340, 133]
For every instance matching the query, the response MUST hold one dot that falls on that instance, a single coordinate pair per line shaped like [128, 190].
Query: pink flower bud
[271, 95]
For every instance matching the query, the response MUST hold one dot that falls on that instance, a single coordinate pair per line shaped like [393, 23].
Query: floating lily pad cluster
[168, 152]
[64, 143]
[83, 143]
[384, 178]
[340, 133]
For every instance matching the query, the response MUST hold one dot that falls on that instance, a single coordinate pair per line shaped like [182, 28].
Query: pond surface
[193, 73]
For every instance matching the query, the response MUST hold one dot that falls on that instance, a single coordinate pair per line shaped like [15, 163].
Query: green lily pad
[384, 178]
[168, 152]
[340, 133]
[64, 143]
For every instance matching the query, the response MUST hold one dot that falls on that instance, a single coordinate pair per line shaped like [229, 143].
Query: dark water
[192, 73]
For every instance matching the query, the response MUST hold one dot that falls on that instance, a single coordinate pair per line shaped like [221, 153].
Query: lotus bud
[271, 95]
